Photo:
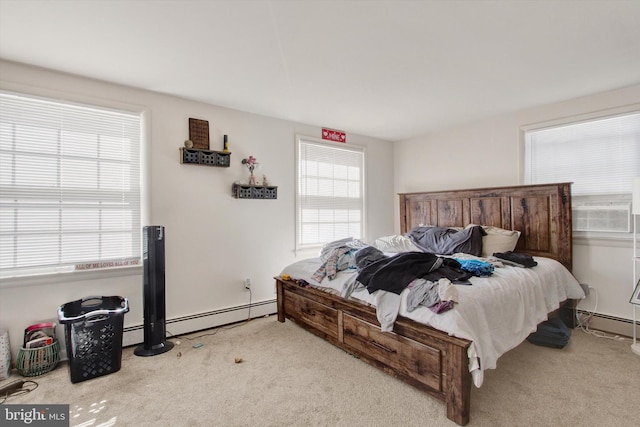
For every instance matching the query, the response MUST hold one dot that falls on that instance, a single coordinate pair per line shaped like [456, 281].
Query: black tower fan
[154, 296]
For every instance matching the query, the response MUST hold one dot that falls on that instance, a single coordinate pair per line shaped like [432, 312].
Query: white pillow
[497, 240]
[395, 244]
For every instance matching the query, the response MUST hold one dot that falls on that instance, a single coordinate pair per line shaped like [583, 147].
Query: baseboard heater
[134, 335]
[611, 324]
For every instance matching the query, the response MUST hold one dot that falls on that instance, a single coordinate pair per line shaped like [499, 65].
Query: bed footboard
[426, 358]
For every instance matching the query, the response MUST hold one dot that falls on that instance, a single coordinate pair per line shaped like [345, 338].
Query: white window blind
[330, 196]
[69, 187]
[600, 157]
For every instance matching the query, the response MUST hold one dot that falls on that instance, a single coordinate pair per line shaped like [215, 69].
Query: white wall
[213, 241]
[488, 153]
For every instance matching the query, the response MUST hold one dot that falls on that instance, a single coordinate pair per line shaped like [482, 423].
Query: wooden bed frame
[418, 354]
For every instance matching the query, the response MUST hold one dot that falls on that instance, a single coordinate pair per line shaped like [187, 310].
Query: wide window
[600, 157]
[330, 192]
[69, 187]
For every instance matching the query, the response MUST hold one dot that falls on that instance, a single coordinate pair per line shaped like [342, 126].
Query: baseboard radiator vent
[606, 323]
[134, 335]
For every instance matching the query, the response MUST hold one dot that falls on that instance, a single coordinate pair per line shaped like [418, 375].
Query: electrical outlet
[247, 283]
[585, 288]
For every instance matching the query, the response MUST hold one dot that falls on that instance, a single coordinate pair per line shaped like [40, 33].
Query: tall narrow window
[330, 192]
[69, 187]
[600, 157]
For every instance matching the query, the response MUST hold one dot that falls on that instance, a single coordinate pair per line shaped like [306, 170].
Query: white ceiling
[388, 69]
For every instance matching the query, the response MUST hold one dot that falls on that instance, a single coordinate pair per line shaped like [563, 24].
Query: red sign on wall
[334, 135]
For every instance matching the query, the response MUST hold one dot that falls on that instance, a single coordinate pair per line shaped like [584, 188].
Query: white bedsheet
[495, 313]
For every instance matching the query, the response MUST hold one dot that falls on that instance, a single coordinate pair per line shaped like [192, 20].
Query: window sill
[608, 241]
[75, 276]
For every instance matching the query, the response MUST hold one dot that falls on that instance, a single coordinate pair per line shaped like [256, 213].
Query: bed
[443, 359]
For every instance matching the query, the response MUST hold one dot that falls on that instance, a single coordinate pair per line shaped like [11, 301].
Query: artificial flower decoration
[251, 163]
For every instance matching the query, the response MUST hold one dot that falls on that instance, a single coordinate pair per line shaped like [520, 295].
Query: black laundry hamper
[93, 332]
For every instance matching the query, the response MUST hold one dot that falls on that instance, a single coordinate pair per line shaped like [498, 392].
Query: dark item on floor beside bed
[551, 333]
[420, 355]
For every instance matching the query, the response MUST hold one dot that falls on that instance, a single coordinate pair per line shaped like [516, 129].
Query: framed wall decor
[635, 297]
[199, 133]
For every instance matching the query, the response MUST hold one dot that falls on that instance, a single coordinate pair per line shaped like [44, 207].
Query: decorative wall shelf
[194, 156]
[241, 191]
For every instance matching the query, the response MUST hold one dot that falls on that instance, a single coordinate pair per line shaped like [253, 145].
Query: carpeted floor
[289, 377]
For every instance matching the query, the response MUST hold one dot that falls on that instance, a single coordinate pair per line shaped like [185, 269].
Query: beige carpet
[289, 377]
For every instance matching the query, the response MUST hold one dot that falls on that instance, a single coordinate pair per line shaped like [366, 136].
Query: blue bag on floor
[551, 333]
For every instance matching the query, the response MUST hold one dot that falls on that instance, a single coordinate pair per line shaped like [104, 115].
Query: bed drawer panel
[407, 357]
[314, 314]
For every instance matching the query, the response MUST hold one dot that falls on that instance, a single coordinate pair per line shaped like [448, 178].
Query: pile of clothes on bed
[428, 277]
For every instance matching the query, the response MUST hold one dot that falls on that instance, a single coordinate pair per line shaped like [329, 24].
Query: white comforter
[495, 313]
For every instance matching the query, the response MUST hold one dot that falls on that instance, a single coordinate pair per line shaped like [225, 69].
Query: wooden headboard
[542, 213]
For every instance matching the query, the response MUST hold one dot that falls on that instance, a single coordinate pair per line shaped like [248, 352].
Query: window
[330, 192]
[600, 157]
[69, 187]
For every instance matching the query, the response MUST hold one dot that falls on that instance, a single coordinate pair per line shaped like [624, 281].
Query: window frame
[53, 277]
[614, 239]
[299, 247]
